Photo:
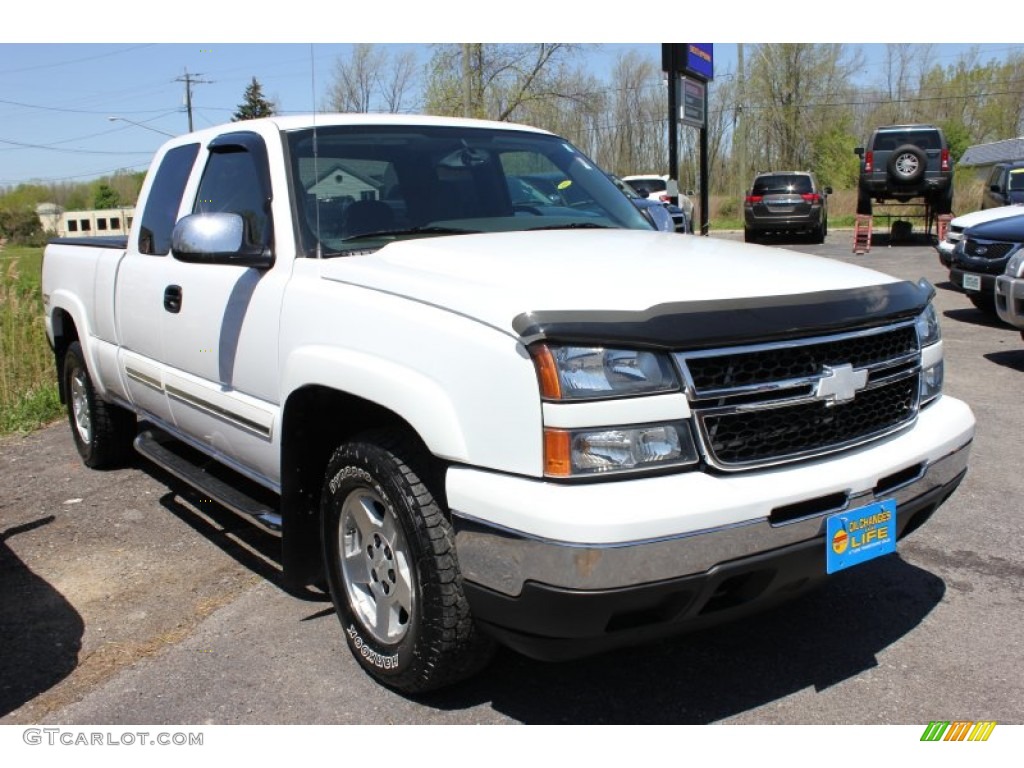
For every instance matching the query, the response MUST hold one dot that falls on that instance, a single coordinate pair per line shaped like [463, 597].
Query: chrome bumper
[503, 560]
[1009, 295]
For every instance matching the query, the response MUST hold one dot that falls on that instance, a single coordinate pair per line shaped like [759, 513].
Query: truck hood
[497, 278]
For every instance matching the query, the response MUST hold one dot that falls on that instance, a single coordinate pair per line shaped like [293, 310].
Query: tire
[986, 302]
[103, 432]
[749, 236]
[392, 571]
[818, 233]
[942, 203]
[863, 203]
[907, 164]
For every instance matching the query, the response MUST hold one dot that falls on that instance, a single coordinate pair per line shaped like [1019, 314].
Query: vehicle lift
[864, 223]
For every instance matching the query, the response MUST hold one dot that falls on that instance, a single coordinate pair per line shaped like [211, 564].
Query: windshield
[367, 186]
[782, 184]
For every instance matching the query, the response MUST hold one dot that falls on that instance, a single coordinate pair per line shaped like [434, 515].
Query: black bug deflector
[703, 324]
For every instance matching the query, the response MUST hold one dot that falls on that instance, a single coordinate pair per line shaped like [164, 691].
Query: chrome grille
[773, 403]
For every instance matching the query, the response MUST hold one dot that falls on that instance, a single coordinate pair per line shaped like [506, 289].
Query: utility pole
[188, 80]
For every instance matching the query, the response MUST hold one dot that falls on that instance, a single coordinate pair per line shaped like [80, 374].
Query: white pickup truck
[479, 414]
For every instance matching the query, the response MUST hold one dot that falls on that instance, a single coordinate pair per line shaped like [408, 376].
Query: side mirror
[217, 238]
[858, 151]
[828, 190]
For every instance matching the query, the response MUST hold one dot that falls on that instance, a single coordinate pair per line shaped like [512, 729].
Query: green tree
[254, 104]
[105, 197]
[19, 223]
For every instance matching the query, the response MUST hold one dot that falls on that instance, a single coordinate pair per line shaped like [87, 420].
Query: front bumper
[945, 249]
[550, 598]
[1009, 295]
[956, 277]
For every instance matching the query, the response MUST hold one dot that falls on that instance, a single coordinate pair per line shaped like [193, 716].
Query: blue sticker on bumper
[860, 534]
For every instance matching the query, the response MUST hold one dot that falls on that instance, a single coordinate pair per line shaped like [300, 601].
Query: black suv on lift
[903, 162]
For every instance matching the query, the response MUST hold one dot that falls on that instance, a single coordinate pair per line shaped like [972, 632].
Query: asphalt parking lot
[128, 599]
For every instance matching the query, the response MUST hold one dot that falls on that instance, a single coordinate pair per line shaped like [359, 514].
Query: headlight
[575, 373]
[932, 369]
[928, 331]
[1013, 266]
[591, 451]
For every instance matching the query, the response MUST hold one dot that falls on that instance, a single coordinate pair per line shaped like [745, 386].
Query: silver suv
[904, 162]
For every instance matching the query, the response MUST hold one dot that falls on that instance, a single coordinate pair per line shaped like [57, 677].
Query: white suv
[655, 187]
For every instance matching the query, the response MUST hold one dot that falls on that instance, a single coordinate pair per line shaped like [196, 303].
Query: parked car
[981, 255]
[1004, 185]
[1009, 292]
[680, 223]
[655, 187]
[786, 202]
[904, 162]
[955, 230]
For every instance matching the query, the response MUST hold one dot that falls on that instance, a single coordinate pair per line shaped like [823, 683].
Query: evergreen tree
[106, 197]
[254, 104]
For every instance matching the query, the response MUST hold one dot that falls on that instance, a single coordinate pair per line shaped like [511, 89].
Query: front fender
[417, 399]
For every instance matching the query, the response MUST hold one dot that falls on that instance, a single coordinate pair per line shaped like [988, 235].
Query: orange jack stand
[862, 234]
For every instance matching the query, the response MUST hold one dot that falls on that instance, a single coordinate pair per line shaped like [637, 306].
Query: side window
[232, 183]
[164, 198]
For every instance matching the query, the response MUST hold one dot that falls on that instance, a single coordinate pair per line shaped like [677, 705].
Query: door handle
[172, 299]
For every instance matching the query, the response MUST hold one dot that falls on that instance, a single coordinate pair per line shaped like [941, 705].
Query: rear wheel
[863, 203]
[103, 432]
[942, 203]
[749, 236]
[819, 232]
[391, 567]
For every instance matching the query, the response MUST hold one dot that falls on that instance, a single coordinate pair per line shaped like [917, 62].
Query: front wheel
[392, 570]
[103, 432]
[986, 302]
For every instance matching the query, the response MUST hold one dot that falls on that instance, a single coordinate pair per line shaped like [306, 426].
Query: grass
[28, 384]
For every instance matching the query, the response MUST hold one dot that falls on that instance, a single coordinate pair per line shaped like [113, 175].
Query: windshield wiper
[573, 225]
[412, 231]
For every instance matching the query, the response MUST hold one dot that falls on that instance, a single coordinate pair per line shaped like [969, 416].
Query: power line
[75, 61]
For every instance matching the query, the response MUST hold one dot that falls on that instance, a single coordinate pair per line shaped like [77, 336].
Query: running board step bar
[155, 447]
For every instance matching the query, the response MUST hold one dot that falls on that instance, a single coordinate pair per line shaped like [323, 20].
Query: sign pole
[672, 76]
[689, 67]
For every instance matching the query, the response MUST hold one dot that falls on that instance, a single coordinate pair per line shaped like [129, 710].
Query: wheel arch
[64, 331]
[316, 419]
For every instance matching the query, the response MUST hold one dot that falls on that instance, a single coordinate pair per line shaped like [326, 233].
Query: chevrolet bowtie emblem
[840, 384]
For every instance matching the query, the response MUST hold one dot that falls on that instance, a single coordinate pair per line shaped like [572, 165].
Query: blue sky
[57, 91]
